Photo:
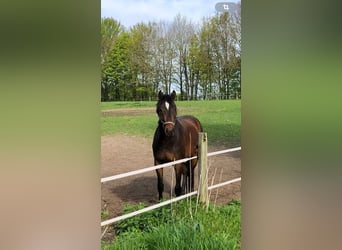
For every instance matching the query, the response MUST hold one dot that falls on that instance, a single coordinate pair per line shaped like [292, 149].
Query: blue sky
[130, 12]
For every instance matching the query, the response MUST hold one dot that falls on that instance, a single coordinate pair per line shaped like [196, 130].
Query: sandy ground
[123, 153]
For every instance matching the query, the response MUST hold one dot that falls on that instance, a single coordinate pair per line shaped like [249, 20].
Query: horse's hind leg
[178, 171]
[188, 178]
[192, 172]
[160, 184]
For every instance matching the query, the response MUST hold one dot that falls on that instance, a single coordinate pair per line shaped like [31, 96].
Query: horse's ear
[160, 95]
[173, 95]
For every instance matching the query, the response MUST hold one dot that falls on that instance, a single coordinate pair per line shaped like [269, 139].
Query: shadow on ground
[142, 188]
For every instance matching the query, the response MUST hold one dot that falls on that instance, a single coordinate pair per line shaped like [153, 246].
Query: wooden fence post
[202, 169]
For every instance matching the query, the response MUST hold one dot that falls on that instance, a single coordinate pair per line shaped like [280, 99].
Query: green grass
[182, 226]
[220, 119]
[118, 105]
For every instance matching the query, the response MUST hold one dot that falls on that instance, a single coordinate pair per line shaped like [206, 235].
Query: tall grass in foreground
[182, 226]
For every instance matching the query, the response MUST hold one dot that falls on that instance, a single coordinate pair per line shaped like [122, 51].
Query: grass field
[220, 119]
[182, 226]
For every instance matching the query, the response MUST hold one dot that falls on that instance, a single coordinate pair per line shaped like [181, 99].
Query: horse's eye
[160, 110]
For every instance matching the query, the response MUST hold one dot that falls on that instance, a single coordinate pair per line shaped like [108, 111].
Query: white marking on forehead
[167, 105]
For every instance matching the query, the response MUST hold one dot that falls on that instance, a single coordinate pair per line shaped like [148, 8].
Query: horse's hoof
[178, 191]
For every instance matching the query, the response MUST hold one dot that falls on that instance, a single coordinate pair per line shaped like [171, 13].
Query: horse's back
[191, 127]
[190, 122]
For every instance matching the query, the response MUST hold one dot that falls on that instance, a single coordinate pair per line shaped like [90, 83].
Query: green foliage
[182, 225]
[116, 69]
[110, 30]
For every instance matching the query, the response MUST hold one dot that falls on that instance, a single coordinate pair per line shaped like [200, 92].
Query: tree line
[200, 61]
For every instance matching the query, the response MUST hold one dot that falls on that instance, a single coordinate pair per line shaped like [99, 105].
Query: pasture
[127, 129]
[220, 119]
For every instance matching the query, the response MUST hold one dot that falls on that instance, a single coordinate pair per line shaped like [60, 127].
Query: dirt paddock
[123, 153]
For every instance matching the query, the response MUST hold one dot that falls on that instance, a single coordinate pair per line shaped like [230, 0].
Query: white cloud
[130, 12]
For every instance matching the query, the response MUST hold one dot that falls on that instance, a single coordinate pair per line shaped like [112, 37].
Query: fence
[202, 183]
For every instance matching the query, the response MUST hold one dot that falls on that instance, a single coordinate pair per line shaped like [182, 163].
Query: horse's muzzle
[169, 128]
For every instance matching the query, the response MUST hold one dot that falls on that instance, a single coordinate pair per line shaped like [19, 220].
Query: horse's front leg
[160, 184]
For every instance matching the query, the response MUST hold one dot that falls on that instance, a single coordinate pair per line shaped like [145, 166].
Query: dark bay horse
[175, 138]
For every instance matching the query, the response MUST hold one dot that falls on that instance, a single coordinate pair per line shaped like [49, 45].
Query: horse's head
[167, 111]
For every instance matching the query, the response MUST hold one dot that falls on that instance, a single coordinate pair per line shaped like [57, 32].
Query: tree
[165, 56]
[182, 31]
[110, 31]
[205, 59]
[140, 53]
[117, 70]
[203, 62]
